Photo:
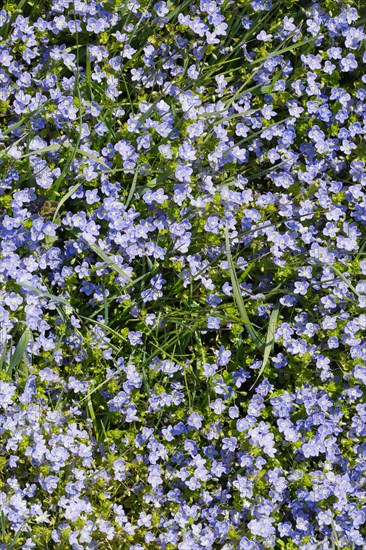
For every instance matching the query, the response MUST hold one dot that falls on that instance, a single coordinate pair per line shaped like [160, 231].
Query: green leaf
[88, 73]
[75, 148]
[106, 258]
[25, 118]
[67, 166]
[177, 10]
[47, 149]
[345, 280]
[105, 304]
[91, 412]
[73, 189]
[268, 348]
[239, 298]
[108, 379]
[284, 50]
[90, 156]
[21, 346]
[335, 540]
[133, 187]
[15, 538]
[45, 294]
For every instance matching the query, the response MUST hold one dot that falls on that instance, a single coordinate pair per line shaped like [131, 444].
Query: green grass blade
[108, 379]
[88, 74]
[25, 118]
[73, 189]
[66, 168]
[345, 280]
[133, 187]
[284, 50]
[2, 358]
[239, 298]
[16, 537]
[106, 309]
[47, 149]
[106, 258]
[91, 412]
[60, 179]
[45, 294]
[21, 346]
[4, 152]
[335, 540]
[3, 529]
[177, 10]
[90, 156]
[269, 340]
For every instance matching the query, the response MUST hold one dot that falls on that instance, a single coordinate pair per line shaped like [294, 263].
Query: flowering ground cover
[182, 274]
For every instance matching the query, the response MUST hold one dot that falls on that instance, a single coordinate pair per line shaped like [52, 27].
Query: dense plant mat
[182, 275]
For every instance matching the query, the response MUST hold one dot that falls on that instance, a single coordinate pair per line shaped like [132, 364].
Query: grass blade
[2, 357]
[239, 298]
[90, 156]
[106, 258]
[70, 160]
[269, 340]
[25, 118]
[16, 537]
[335, 540]
[45, 294]
[91, 412]
[284, 50]
[133, 187]
[73, 189]
[177, 10]
[18, 354]
[88, 74]
[345, 280]
[47, 149]
[105, 304]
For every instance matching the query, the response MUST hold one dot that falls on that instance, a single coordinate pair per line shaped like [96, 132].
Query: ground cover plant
[182, 274]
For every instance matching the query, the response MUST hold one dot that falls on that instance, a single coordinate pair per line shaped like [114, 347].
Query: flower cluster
[182, 282]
